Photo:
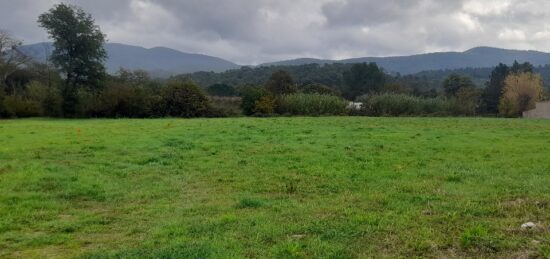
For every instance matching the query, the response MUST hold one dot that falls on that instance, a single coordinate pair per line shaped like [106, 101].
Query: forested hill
[476, 57]
[332, 75]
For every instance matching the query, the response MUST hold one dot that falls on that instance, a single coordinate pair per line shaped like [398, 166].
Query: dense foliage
[312, 104]
[221, 90]
[362, 79]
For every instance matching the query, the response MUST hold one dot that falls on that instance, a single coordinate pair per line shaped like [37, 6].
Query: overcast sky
[256, 31]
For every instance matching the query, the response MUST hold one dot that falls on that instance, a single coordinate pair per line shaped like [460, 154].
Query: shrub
[312, 104]
[183, 99]
[467, 101]
[225, 106]
[403, 105]
[250, 95]
[18, 106]
[49, 98]
[35, 99]
[264, 106]
[88, 104]
[121, 100]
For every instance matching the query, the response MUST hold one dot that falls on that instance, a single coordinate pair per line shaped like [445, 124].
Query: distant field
[335, 187]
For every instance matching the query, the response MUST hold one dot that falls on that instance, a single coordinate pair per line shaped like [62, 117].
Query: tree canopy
[79, 50]
[455, 82]
[362, 79]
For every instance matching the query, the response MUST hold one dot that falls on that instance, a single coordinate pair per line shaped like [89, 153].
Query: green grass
[336, 187]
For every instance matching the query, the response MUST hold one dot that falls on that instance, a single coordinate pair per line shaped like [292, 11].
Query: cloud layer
[256, 31]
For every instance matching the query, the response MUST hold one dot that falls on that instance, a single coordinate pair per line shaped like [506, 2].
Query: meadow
[326, 187]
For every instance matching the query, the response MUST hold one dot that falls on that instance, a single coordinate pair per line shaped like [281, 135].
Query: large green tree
[79, 51]
[362, 79]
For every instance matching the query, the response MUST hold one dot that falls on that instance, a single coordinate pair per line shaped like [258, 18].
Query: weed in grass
[478, 237]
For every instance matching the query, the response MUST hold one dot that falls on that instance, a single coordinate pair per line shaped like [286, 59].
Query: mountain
[476, 57]
[164, 62]
[158, 61]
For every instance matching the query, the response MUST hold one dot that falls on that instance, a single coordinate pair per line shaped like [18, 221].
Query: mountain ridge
[160, 61]
[481, 56]
[164, 62]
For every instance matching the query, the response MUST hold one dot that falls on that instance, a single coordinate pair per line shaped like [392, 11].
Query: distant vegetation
[74, 83]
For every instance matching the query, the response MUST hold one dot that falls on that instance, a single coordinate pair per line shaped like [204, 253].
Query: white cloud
[511, 35]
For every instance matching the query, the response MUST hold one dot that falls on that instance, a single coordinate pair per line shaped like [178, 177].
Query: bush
[35, 99]
[264, 106]
[312, 104]
[250, 95]
[121, 100]
[49, 98]
[17, 106]
[88, 104]
[403, 105]
[467, 100]
[225, 106]
[183, 99]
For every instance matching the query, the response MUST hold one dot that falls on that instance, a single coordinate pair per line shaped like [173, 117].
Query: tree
[493, 88]
[183, 99]
[363, 79]
[454, 82]
[79, 51]
[264, 106]
[221, 90]
[134, 78]
[280, 83]
[316, 88]
[467, 100]
[250, 94]
[11, 58]
[521, 92]
[521, 68]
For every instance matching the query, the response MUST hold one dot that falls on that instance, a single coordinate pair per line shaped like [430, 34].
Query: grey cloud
[254, 31]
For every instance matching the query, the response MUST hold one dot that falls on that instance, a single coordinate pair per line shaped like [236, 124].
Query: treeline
[421, 83]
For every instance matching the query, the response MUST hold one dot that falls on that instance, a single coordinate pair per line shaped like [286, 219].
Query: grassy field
[336, 187]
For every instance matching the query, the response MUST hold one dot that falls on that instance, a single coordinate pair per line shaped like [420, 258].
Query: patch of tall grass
[312, 104]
